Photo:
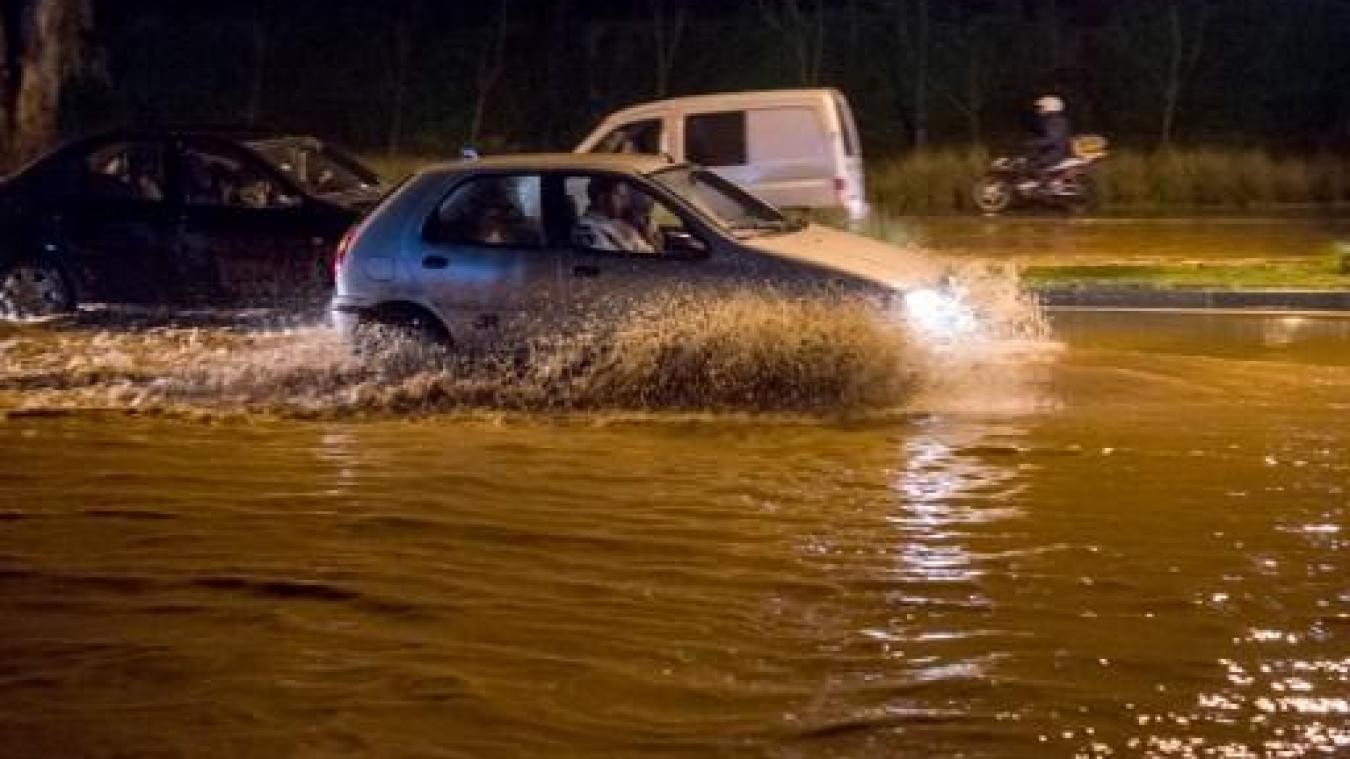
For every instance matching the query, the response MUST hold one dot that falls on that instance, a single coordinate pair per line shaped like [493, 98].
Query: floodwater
[1056, 240]
[1131, 541]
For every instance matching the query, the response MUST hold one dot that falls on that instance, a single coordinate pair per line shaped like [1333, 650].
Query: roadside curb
[1175, 298]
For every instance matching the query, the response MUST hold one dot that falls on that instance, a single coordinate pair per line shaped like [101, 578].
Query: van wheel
[992, 195]
[31, 288]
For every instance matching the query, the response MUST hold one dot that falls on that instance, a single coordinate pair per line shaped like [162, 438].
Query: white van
[793, 148]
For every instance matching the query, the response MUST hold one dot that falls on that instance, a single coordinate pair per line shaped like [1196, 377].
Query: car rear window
[493, 210]
[715, 139]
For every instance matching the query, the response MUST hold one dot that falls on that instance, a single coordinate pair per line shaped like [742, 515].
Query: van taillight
[841, 188]
[344, 246]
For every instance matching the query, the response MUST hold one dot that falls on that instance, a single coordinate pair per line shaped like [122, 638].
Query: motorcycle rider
[1052, 146]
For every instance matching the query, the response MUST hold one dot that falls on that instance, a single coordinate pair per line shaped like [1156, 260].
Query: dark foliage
[408, 73]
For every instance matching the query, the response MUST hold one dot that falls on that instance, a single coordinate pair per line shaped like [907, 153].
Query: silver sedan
[465, 252]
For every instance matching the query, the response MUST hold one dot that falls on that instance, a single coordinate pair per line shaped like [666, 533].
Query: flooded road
[1058, 240]
[1138, 547]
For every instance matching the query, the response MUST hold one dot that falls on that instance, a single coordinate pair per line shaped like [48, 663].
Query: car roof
[726, 101]
[226, 132]
[635, 163]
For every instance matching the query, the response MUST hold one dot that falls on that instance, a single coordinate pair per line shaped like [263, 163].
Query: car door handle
[435, 262]
[585, 271]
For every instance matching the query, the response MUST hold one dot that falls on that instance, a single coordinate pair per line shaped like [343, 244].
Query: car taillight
[344, 247]
[841, 189]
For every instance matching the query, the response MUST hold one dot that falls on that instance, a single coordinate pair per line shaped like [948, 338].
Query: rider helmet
[1049, 104]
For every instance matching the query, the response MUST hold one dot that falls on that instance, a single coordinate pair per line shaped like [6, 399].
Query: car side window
[618, 216]
[125, 170]
[716, 139]
[213, 176]
[492, 210]
[637, 137]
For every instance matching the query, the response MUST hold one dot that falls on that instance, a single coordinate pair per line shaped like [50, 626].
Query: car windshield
[318, 169]
[731, 207]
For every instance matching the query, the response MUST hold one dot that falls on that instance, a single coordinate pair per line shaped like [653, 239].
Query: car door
[483, 260]
[246, 234]
[627, 247]
[115, 222]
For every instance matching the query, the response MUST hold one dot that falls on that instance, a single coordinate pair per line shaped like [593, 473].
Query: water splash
[740, 352]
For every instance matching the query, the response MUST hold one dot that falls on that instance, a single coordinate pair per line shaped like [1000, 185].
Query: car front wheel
[32, 288]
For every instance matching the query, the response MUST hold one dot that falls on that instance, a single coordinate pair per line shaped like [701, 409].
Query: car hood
[851, 254]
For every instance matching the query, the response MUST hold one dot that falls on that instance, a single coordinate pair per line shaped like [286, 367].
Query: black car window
[318, 169]
[492, 210]
[125, 170]
[715, 139]
[637, 137]
[617, 215]
[216, 176]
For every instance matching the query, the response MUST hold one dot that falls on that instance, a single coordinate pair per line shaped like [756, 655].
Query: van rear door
[851, 186]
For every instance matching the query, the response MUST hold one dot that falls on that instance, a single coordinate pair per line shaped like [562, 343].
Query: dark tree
[42, 44]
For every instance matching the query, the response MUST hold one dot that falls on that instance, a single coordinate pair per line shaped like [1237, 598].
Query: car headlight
[940, 313]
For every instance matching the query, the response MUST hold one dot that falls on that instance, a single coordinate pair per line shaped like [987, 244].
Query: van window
[846, 125]
[637, 137]
[715, 139]
[794, 134]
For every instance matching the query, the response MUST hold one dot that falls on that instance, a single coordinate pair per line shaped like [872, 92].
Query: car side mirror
[682, 244]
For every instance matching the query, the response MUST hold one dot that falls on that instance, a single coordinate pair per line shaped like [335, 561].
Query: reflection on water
[1144, 555]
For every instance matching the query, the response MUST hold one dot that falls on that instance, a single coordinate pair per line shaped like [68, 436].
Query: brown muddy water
[1127, 539]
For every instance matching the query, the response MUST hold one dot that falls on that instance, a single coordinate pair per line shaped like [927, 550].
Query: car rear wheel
[992, 195]
[32, 288]
[400, 328]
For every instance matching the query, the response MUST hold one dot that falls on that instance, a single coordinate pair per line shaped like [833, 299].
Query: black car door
[246, 234]
[114, 220]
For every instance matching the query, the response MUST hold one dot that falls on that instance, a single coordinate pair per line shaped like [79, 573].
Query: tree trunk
[1181, 64]
[921, 78]
[258, 35]
[402, 52]
[667, 39]
[51, 37]
[1172, 84]
[489, 71]
[805, 37]
[6, 90]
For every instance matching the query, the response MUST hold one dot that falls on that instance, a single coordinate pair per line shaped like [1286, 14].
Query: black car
[177, 216]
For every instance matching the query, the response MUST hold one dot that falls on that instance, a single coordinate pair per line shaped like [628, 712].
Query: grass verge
[1329, 273]
[1182, 179]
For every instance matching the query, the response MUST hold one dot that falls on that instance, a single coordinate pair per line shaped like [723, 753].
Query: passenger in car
[605, 225]
[500, 220]
[639, 216]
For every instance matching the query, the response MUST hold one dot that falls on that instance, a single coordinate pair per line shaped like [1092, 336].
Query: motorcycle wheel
[992, 195]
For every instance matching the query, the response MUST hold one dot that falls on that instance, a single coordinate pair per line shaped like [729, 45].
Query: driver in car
[606, 224]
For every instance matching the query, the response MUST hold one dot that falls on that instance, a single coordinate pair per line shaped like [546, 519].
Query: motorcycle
[1066, 185]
